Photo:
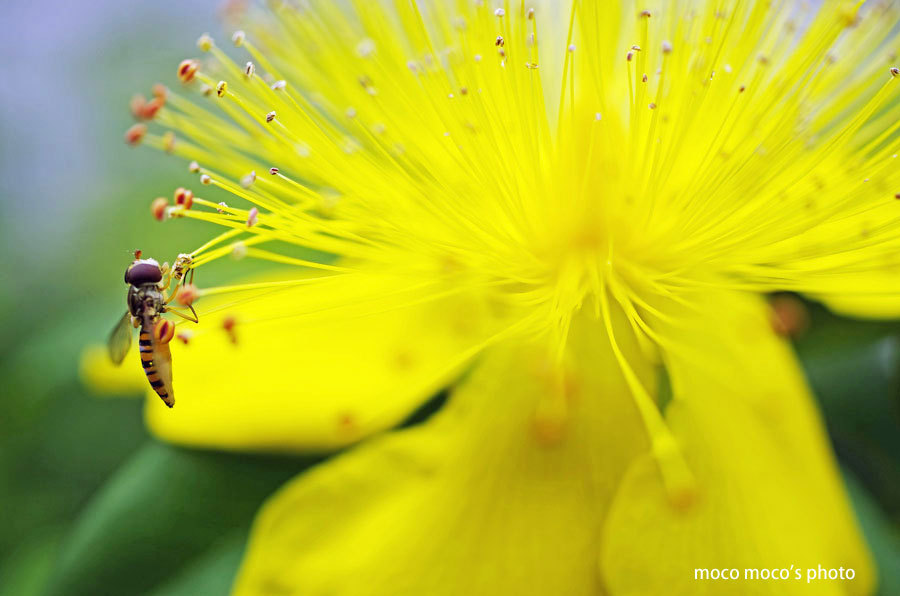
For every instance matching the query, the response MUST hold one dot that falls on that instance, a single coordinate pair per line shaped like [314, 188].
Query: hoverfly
[148, 300]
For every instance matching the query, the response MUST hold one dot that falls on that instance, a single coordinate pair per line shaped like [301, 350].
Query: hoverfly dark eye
[143, 272]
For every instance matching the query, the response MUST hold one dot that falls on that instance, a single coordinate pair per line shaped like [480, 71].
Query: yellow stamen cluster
[648, 152]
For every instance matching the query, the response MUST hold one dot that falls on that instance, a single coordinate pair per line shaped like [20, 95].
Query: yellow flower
[553, 211]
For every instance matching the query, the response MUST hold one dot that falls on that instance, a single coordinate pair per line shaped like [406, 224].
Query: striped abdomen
[151, 367]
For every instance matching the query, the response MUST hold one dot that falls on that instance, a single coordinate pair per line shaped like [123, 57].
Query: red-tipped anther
[228, 324]
[137, 104]
[137, 254]
[135, 134]
[193, 167]
[159, 90]
[184, 336]
[273, 171]
[158, 208]
[789, 315]
[252, 217]
[163, 331]
[187, 69]
[150, 108]
[270, 116]
[187, 294]
[184, 197]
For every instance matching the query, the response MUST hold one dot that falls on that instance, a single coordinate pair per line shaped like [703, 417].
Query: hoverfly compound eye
[144, 271]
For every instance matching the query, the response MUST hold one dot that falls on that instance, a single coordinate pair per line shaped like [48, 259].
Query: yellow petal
[503, 492]
[102, 377]
[768, 492]
[344, 358]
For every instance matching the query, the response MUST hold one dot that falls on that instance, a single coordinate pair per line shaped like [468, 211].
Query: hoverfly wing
[120, 340]
[156, 358]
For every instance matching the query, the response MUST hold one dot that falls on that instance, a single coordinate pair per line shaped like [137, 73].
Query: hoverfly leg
[193, 319]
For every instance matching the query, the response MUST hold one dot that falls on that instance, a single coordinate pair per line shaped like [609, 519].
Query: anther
[159, 90]
[530, 14]
[252, 217]
[629, 56]
[221, 88]
[184, 197]
[270, 116]
[666, 47]
[158, 208]
[205, 42]
[228, 324]
[273, 171]
[279, 85]
[895, 72]
[164, 331]
[184, 336]
[652, 106]
[187, 70]
[238, 251]
[531, 65]
[499, 41]
[499, 12]
[645, 14]
[136, 105]
[644, 78]
[150, 108]
[571, 47]
[222, 207]
[365, 48]
[187, 294]
[742, 89]
[249, 69]
[238, 38]
[897, 196]
[193, 167]
[168, 141]
[636, 48]
[206, 90]
[135, 134]
[248, 180]
[205, 179]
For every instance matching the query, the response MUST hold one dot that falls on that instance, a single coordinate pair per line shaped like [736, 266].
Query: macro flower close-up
[538, 293]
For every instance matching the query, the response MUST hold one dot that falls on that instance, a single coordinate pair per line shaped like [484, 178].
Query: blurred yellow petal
[102, 377]
[768, 492]
[503, 492]
[344, 357]
[866, 307]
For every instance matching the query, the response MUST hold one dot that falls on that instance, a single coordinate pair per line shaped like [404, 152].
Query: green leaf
[167, 513]
[854, 370]
[212, 572]
[881, 535]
